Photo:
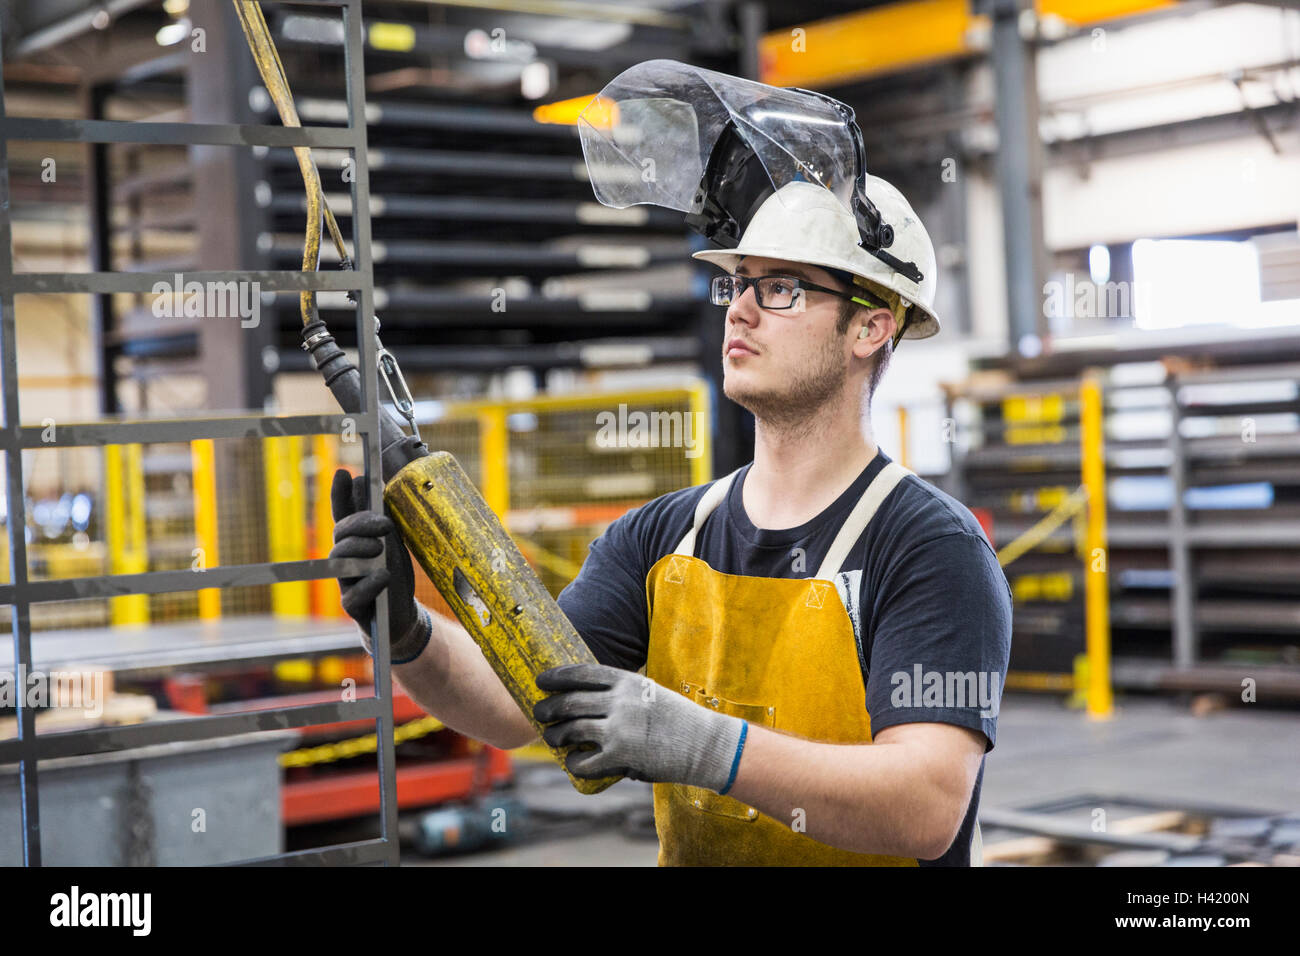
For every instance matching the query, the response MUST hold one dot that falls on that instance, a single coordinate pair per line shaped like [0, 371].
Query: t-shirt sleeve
[941, 638]
[606, 602]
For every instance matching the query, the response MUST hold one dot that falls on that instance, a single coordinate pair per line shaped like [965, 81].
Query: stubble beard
[798, 405]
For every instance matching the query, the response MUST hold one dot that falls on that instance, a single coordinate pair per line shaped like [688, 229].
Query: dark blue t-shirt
[930, 607]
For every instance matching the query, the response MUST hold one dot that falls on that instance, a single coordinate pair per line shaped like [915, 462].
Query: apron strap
[849, 533]
[860, 517]
[711, 499]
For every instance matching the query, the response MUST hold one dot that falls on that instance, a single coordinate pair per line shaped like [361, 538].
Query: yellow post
[701, 431]
[324, 592]
[125, 529]
[1096, 557]
[902, 435]
[286, 521]
[493, 451]
[204, 468]
[1078, 699]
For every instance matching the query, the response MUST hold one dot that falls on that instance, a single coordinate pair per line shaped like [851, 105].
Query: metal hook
[401, 396]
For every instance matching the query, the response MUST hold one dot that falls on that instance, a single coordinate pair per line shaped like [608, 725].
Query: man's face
[796, 360]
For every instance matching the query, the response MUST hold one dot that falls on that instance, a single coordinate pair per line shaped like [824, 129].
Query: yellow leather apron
[778, 652]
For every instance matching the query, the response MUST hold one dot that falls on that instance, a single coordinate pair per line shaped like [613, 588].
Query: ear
[875, 329]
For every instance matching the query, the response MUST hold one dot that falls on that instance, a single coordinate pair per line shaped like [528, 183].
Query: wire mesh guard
[132, 509]
[559, 471]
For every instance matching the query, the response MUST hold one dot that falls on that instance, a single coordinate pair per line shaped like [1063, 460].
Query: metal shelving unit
[1203, 511]
[490, 251]
[1236, 570]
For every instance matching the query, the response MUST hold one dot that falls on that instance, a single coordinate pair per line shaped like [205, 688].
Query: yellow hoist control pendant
[493, 591]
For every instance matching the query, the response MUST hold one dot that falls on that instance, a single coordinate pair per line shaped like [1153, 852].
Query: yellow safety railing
[125, 529]
[702, 464]
[491, 446]
[324, 592]
[499, 410]
[902, 436]
[1096, 554]
[1043, 529]
[1087, 505]
[355, 746]
[553, 481]
[203, 459]
[286, 520]
[494, 453]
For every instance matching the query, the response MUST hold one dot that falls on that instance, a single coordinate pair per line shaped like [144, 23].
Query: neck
[800, 468]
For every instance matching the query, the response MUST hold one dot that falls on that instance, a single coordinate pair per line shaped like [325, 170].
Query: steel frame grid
[29, 748]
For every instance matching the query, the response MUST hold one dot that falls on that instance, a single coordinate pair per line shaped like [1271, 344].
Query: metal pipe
[75, 25]
[1019, 170]
[1183, 594]
[616, 13]
[447, 163]
[483, 358]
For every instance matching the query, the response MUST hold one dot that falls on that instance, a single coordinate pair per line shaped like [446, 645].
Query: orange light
[602, 114]
[1091, 11]
[902, 36]
[880, 40]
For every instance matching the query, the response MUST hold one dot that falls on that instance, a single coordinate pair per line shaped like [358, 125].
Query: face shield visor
[715, 146]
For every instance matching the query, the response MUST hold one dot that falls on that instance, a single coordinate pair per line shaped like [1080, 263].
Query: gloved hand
[639, 728]
[364, 534]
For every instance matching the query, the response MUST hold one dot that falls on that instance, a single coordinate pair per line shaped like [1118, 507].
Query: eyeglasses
[775, 292]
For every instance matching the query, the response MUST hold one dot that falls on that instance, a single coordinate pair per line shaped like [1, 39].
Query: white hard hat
[805, 222]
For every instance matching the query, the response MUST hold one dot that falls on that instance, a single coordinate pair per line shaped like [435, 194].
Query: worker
[804, 657]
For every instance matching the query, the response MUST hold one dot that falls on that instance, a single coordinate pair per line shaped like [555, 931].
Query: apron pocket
[701, 798]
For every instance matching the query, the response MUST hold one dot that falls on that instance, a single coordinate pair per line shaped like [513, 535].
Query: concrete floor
[1154, 749]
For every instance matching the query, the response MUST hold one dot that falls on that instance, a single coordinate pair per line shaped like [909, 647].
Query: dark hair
[847, 310]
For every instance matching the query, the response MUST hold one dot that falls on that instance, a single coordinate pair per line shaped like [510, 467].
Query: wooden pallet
[1049, 851]
[118, 709]
[1146, 840]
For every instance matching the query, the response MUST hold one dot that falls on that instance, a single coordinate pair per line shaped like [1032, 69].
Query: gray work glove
[638, 728]
[365, 534]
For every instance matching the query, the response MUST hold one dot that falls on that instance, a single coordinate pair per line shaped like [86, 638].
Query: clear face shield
[715, 147]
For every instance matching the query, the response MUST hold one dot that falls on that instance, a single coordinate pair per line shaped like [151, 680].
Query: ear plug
[863, 332]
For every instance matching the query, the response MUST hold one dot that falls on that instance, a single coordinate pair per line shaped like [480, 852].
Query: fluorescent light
[535, 80]
[173, 33]
[1099, 264]
[1179, 282]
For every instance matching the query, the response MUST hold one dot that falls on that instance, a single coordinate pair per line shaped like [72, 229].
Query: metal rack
[29, 749]
[487, 239]
[1204, 589]
[1016, 454]
[1235, 585]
